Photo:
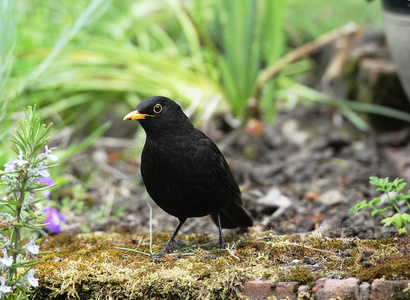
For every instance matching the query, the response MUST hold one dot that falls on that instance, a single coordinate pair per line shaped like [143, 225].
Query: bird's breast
[180, 179]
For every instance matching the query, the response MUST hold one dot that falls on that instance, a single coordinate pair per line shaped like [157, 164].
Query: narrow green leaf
[375, 180]
[401, 186]
[358, 206]
[375, 200]
[399, 221]
[387, 221]
[375, 212]
[406, 218]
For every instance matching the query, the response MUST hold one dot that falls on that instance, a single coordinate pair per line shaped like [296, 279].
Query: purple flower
[54, 218]
[10, 166]
[32, 247]
[48, 154]
[42, 170]
[4, 289]
[49, 182]
[20, 161]
[6, 260]
[30, 278]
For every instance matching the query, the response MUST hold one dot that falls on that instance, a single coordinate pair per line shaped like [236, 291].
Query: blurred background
[241, 70]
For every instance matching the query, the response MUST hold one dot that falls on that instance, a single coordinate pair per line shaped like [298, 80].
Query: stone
[332, 197]
[286, 290]
[259, 289]
[390, 289]
[304, 292]
[364, 291]
[275, 198]
[326, 289]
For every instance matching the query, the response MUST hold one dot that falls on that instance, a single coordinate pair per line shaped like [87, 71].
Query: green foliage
[393, 191]
[138, 50]
[108, 56]
[31, 137]
[290, 89]
[240, 39]
[18, 204]
[94, 66]
[18, 77]
[239, 61]
[302, 27]
[8, 42]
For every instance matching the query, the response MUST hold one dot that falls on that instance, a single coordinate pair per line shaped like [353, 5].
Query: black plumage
[184, 171]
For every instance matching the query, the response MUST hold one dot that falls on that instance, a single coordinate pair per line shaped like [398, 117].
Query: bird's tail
[232, 216]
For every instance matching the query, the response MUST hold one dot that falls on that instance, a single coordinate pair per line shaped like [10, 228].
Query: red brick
[325, 289]
[258, 289]
[389, 289]
[286, 290]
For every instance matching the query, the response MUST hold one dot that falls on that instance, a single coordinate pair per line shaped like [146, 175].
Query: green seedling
[393, 191]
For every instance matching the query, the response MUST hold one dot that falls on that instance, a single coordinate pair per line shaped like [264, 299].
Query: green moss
[301, 275]
[395, 267]
[87, 266]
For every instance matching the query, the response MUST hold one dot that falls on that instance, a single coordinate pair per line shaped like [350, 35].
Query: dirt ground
[301, 174]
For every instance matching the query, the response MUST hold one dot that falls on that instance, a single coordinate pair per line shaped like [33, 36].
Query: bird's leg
[169, 246]
[222, 244]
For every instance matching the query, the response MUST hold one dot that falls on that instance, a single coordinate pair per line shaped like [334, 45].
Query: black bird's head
[159, 114]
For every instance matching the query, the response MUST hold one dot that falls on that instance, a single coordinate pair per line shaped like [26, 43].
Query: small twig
[150, 227]
[150, 238]
[62, 276]
[304, 246]
[133, 250]
[323, 40]
[294, 244]
[109, 202]
[313, 95]
[193, 247]
[231, 253]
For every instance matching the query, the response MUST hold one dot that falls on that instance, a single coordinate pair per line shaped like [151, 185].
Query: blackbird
[183, 170]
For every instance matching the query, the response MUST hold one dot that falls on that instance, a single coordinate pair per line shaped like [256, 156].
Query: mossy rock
[88, 266]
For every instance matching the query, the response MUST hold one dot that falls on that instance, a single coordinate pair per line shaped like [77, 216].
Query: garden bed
[88, 266]
[319, 163]
[311, 157]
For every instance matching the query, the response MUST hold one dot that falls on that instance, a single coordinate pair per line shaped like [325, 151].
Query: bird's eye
[157, 108]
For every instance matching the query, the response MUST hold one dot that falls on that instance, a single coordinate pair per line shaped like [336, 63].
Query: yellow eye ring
[157, 108]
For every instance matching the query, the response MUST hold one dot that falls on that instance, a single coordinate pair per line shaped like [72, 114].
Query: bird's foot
[222, 244]
[170, 247]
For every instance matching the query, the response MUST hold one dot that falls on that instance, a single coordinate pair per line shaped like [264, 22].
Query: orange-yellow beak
[135, 115]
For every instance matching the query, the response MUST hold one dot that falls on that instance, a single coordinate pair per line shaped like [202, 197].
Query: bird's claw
[222, 244]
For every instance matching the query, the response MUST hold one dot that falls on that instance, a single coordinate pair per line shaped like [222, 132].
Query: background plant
[86, 62]
[394, 198]
[240, 38]
[20, 216]
[200, 52]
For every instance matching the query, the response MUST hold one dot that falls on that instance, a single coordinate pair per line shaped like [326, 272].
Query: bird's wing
[227, 178]
[217, 164]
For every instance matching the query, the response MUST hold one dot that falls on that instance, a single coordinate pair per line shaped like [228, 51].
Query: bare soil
[299, 175]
